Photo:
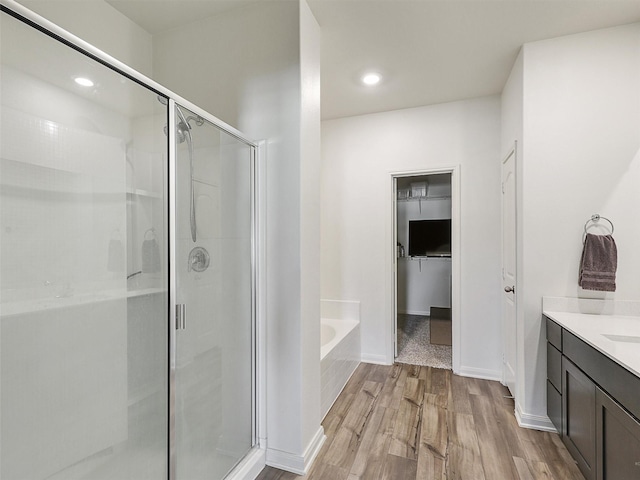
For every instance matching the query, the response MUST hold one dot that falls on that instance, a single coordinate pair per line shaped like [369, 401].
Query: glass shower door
[213, 372]
[83, 266]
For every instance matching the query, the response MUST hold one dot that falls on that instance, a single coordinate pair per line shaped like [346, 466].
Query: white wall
[101, 25]
[247, 72]
[511, 108]
[359, 154]
[310, 162]
[260, 73]
[423, 283]
[580, 156]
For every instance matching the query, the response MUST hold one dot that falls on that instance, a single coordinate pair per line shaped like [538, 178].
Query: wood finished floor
[404, 422]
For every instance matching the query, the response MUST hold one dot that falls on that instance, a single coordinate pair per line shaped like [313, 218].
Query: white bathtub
[339, 357]
[332, 332]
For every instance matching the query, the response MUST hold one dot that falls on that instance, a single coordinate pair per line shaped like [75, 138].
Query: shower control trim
[181, 316]
[199, 259]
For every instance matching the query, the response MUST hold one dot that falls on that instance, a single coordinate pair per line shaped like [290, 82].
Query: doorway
[423, 274]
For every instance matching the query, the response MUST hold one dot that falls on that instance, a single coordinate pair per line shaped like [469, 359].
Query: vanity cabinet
[618, 440]
[594, 405]
[554, 374]
[578, 412]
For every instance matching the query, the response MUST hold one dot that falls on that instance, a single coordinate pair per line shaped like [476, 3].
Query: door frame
[454, 170]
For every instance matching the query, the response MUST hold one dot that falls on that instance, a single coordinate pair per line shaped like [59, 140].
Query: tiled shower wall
[62, 200]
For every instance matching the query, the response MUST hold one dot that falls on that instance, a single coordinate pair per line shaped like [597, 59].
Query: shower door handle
[181, 316]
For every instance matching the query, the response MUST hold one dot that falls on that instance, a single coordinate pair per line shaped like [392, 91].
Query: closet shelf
[418, 257]
[413, 199]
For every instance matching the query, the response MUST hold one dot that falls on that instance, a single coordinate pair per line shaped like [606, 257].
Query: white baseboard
[482, 373]
[250, 467]
[375, 358]
[534, 422]
[298, 464]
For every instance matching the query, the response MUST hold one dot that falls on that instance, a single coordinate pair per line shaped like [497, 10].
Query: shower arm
[199, 120]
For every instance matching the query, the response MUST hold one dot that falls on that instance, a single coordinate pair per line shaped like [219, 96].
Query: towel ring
[595, 219]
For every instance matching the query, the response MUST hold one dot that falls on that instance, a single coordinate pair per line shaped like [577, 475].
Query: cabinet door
[618, 434]
[578, 413]
[554, 406]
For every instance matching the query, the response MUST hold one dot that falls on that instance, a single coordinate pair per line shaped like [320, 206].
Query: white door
[509, 270]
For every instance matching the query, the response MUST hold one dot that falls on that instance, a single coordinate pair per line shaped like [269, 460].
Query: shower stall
[127, 270]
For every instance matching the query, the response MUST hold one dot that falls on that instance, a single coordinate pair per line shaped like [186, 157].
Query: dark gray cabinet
[554, 406]
[578, 413]
[618, 441]
[595, 405]
[554, 374]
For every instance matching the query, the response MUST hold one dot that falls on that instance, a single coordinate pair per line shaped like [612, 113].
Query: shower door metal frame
[57, 33]
[173, 286]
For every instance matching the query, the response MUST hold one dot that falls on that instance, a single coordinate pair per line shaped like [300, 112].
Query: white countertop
[616, 336]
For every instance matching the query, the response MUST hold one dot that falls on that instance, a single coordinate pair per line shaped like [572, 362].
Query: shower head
[182, 131]
[183, 128]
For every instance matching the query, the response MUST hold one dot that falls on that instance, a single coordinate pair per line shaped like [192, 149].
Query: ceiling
[428, 51]
[159, 15]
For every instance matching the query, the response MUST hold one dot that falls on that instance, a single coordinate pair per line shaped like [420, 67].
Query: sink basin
[622, 338]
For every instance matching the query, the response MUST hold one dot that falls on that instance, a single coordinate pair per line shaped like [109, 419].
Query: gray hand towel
[599, 263]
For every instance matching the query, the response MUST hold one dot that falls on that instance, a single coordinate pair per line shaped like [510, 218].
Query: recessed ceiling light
[371, 78]
[85, 82]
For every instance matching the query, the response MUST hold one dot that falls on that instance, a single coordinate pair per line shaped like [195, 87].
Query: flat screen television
[429, 238]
